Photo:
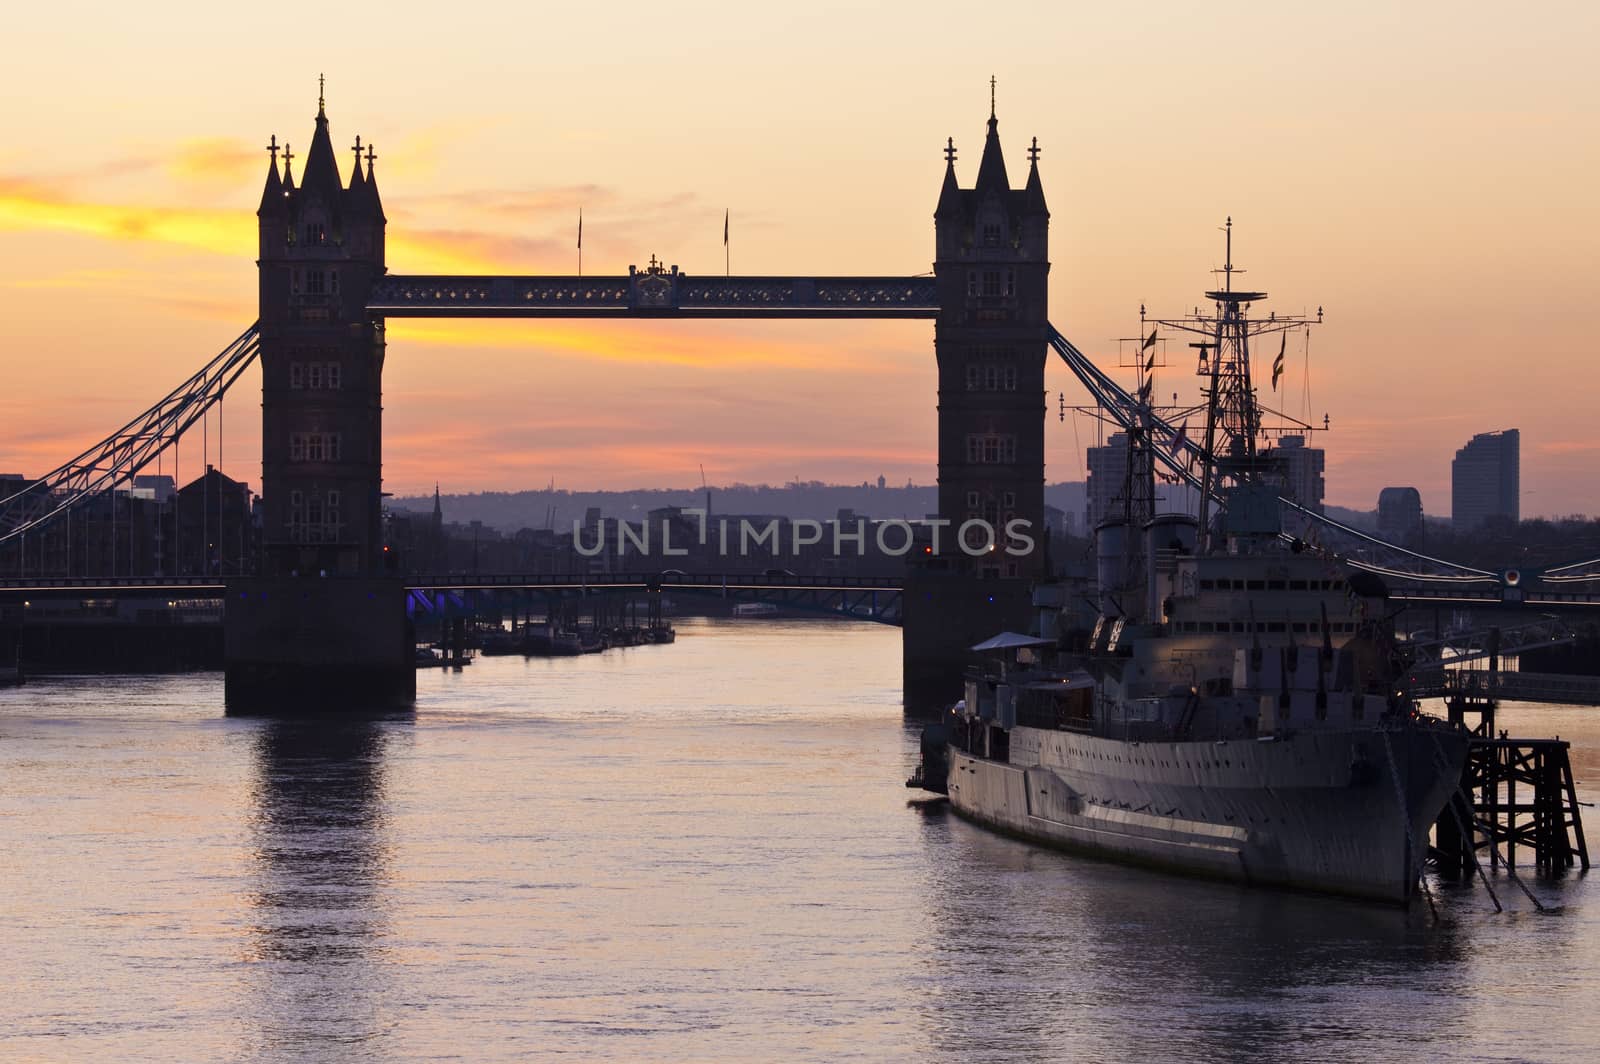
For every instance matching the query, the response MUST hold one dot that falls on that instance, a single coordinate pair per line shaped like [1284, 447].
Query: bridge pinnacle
[321, 102]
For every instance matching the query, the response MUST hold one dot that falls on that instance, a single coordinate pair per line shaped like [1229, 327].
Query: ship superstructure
[1236, 709]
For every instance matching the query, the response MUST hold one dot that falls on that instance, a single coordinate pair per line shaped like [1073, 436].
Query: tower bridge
[325, 292]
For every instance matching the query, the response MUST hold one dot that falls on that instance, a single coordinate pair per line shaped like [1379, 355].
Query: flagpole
[727, 253]
[580, 241]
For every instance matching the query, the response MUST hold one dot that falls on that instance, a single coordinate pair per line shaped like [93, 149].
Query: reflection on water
[320, 861]
[1096, 961]
[696, 852]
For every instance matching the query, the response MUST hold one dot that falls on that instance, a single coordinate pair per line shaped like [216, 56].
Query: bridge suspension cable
[116, 459]
[1171, 446]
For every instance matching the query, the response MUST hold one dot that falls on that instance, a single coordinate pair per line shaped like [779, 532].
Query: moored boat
[1239, 707]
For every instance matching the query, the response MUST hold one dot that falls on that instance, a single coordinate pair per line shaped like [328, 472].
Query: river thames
[693, 852]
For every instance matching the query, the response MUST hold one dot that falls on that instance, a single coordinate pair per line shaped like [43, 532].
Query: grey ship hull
[1317, 810]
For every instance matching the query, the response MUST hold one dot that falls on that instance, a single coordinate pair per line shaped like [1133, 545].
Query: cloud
[1568, 447]
[703, 346]
[216, 160]
[26, 204]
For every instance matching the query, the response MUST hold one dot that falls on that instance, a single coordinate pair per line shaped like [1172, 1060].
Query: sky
[1424, 172]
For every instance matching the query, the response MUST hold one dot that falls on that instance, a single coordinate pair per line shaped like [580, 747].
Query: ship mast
[1230, 455]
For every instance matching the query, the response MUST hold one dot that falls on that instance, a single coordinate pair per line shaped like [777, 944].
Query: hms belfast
[1238, 710]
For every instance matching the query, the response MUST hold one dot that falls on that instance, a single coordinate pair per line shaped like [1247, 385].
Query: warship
[1238, 707]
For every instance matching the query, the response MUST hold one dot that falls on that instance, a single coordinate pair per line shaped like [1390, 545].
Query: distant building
[1485, 480]
[159, 488]
[215, 532]
[1400, 516]
[1301, 471]
[1107, 486]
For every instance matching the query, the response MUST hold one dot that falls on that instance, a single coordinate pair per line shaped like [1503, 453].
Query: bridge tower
[992, 268]
[324, 624]
[321, 248]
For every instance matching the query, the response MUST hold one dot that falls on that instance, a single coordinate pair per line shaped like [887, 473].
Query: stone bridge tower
[992, 268]
[324, 627]
[322, 247]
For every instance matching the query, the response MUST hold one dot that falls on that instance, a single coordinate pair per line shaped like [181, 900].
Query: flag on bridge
[724, 227]
[1277, 364]
[1149, 341]
[580, 228]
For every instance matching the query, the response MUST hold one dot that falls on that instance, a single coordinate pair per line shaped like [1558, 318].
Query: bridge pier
[945, 613]
[317, 645]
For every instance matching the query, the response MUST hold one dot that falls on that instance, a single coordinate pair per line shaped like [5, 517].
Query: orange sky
[1425, 174]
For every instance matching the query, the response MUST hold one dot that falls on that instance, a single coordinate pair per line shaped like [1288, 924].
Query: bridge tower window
[331, 377]
[314, 375]
[316, 282]
[314, 518]
[316, 234]
[297, 374]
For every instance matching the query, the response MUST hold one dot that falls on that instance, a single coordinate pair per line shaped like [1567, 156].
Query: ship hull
[1338, 812]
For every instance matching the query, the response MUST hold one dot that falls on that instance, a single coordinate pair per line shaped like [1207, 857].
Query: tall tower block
[324, 627]
[992, 268]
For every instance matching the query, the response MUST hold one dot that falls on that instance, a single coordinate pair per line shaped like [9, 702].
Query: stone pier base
[317, 645]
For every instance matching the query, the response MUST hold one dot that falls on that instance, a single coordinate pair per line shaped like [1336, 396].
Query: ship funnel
[1167, 537]
[1111, 568]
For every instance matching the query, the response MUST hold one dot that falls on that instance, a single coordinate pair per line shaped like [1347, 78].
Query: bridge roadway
[1420, 593]
[654, 293]
[1547, 687]
[868, 597]
[1491, 593]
